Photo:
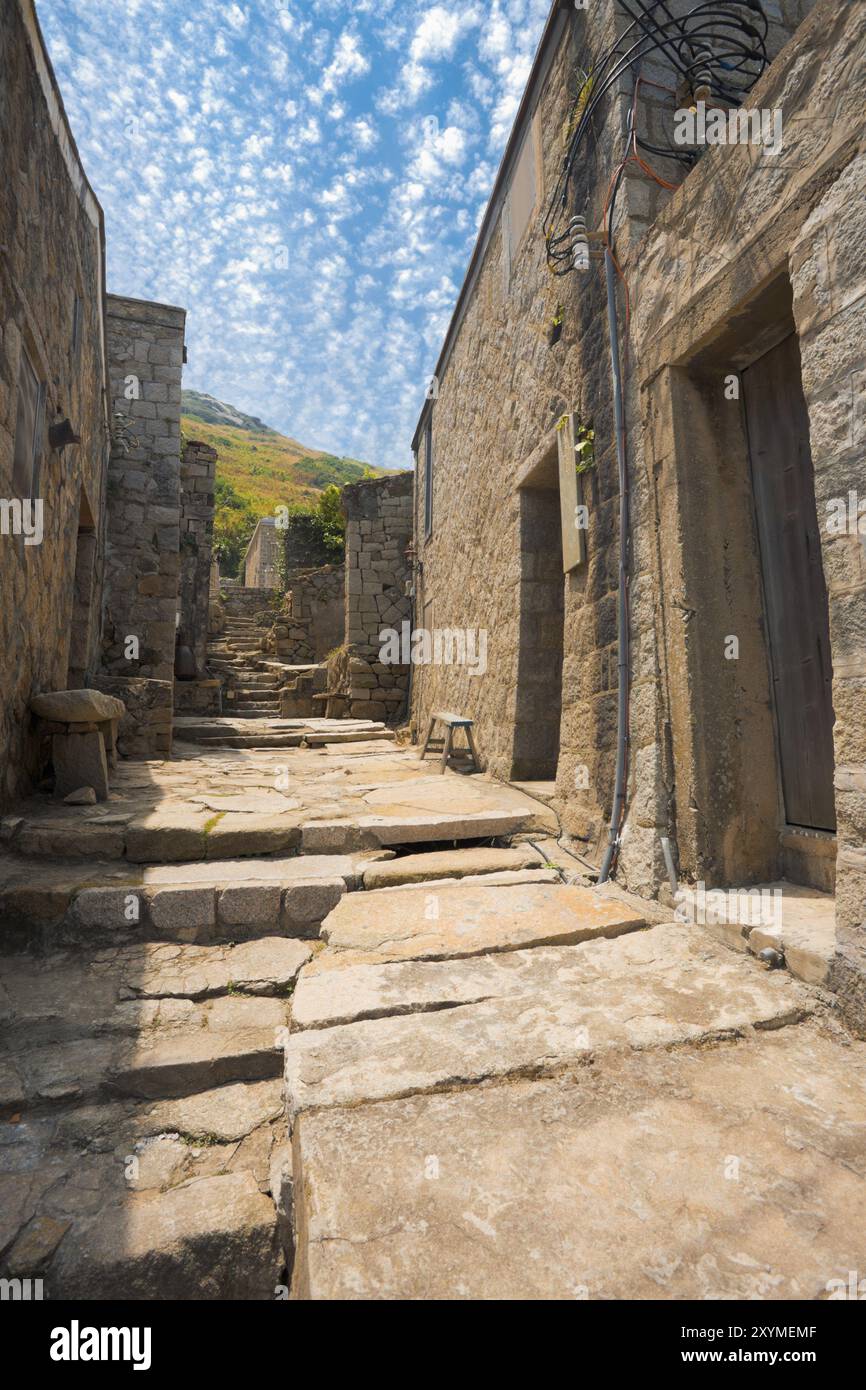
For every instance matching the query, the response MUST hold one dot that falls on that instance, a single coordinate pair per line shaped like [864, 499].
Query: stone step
[245, 741]
[172, 1047]
[65, 997]
[366, 832]
[454, 863]
[532, 1014]
[248, 712]
[460, 920]
[87, 906]
[173, 1199]
[199, 730]
[320, 740]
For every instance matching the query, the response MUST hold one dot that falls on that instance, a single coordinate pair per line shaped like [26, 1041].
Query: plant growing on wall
[584, 446]
[584, 442]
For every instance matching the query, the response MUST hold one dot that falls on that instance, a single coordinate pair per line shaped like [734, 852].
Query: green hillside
[259, 470]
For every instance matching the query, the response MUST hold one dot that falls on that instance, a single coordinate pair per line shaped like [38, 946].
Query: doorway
[795, 593]
[538, 713]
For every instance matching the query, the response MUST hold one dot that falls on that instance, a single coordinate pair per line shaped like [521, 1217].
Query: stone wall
[197, 478]
[261, 562]
[311, 625]
[145, 730]
[142, 581]
[51, 309]
[378, 533]
[801, 226]
[240, 602]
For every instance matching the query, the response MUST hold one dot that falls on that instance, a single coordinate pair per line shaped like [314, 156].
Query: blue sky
[306, 177]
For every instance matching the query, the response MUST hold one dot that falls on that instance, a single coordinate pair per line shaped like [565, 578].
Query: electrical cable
[715, 50]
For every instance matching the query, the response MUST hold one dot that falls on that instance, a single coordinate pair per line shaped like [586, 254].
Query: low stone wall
[198, 697]
[313, 624]
[145, 730]
[239, 602]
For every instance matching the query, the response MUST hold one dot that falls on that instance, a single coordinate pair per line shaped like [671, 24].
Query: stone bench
[83, 726]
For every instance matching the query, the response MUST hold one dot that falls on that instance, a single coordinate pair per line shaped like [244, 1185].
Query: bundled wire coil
[717, 50]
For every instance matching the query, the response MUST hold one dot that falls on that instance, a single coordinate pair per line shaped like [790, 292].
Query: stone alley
[432, 670]
[500, 1081]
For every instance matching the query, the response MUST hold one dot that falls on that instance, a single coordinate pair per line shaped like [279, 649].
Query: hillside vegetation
[258, 470]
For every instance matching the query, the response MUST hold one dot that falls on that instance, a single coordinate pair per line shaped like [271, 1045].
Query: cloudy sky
[306, 177]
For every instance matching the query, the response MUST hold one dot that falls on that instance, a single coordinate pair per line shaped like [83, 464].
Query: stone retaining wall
[145, 730]
[312, 626]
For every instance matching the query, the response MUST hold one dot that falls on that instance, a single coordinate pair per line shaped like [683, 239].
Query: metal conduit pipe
[622, 729]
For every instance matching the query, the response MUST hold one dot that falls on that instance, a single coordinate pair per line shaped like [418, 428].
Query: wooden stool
[468, 756]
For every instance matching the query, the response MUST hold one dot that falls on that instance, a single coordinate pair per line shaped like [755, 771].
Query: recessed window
[28, 430]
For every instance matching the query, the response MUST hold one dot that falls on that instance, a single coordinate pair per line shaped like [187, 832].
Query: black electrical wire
[713, 45]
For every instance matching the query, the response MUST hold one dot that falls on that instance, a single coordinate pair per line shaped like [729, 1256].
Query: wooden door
[795, 595]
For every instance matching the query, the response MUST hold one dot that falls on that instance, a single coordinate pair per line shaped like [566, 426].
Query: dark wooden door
[795, 595]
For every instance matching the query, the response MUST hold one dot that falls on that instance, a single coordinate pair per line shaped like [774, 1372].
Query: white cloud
[348, 61]
[279, 127]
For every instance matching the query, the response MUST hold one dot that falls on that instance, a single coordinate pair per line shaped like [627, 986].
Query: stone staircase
[148, 965]
[235, 655]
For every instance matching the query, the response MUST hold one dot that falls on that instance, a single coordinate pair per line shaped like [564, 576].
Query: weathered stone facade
[89, 434]
[378, 576]
[51, 334]
[145, 346]
[261, 566]
[740, 252]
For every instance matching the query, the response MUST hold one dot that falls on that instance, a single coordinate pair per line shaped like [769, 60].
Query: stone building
[97, 525]
[53, 367]
[736, 629]
[261, 564]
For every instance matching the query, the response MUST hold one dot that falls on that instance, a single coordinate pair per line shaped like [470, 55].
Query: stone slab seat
[83, 727]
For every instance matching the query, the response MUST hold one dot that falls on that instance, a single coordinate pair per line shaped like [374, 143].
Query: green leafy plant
[584, 447]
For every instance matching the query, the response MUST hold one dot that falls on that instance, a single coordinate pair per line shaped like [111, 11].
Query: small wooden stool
[468, 756]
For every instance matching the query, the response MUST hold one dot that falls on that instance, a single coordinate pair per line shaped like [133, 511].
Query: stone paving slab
[71, 998]
[371, 749]
[342, 987]
[538, 1032]
[469, 919]
[212, 1238]
[734, 1172]
[491, 880]
[335, 798]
